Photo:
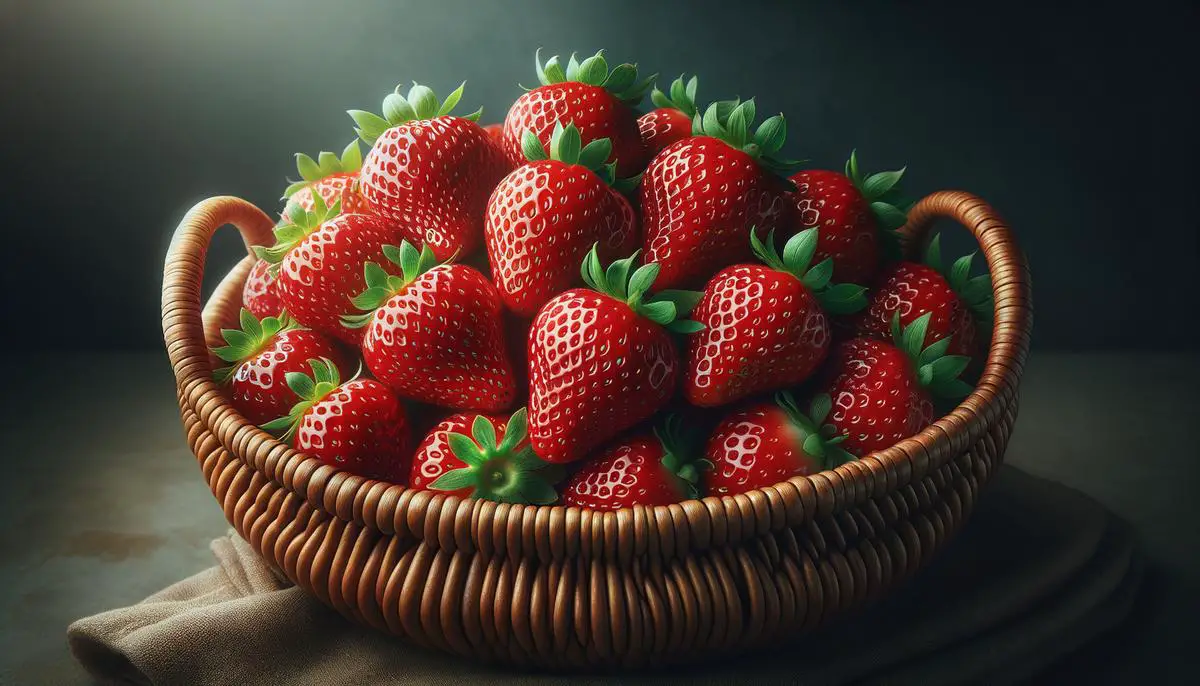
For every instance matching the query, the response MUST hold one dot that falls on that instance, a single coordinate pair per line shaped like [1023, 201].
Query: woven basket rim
[389, 508]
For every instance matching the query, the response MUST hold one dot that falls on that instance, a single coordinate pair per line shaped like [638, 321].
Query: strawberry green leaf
[960, 271]
[423, 100]
[554, 72]
[659, 312]
[889, 216]
[678, 94]
[912, 338]
[532, 148]
[594, 154]
[643, 277]
[685, 326]
[852, 169]
[770, 136]
[951, 389]
[799, 250]
[933, 351]
[309, 169]
[515, 431]
[617, 276]
[660, 100]
[593, 71]
[819, 409]
[397, 109]
[351, 160]
[813, 445]
[949, 367]
[842, 298]
[684, 301]
[819, 275]
[454, 480]
[877, 185]
[535, 490]
[933, 253]
[484, 433]
[370, 126]
[243, 344]
[301, 384]
[737, 128]
[451, 100]
[620, 78]
[420, 103]
[465, 449]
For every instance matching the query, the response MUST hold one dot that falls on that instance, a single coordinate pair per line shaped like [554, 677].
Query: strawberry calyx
[936, 370]
[622, 80]
[507, 471]
[381, 285]
[798, 252]
[311, 390]
[975, 292]
[730, 121]
[420, 103]
[882, 193]
[663, 308]
[566, 146]
[678, 460]
[682, 97]
[248, 341]
[298, 224]
[327, 164]
[818, 439]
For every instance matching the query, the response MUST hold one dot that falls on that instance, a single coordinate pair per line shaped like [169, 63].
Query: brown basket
[568, 587]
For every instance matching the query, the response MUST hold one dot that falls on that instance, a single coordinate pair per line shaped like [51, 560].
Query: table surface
[104, 504]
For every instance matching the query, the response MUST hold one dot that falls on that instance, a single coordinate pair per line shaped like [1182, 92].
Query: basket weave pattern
[567, 587]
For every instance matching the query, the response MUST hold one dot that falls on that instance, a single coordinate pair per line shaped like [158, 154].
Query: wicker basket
[566, 587]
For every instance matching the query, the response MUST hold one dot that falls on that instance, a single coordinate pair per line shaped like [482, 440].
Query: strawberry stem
[504, 472]
[682, 98]
[679, 459]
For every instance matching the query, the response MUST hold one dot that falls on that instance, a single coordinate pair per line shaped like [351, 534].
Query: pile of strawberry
[672, 313]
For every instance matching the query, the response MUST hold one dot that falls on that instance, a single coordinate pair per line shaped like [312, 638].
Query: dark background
[1077, 122]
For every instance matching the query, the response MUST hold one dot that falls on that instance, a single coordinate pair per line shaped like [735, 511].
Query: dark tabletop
[103, 504]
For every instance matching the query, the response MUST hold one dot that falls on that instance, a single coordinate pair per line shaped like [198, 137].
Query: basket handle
[182, 320]
[1013, 316]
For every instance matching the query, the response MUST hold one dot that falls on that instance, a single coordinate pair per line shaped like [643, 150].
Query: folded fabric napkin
[1039, 570]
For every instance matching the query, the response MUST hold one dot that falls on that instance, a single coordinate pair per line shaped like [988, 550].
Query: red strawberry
[953, 299]
[260, 354]
[428, 172]
[882, 393]
[596, 100]
[701, 196]
[546, 215]
[600, 362]
[765, 327]
[495, 132]
[318, 259]
[461, 455]
[646, 468]
[857, 217]
[771, 441]
[672, 121]
[358, 426]
[260, 295]
[333, 178]
[434, 334]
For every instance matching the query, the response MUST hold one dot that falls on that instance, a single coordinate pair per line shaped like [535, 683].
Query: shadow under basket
[564, 587]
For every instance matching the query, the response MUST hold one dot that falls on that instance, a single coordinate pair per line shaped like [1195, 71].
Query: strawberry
[602, 360]
[645, 468]
[461, 455]
[495, 132]
[318, 260]
[545, 216]
[771, 441]
[434, 333]
[765, 327]
[260, 354]
[260, 295]
[954, 300]
[883, 392]
[857, 217]
[428, 172]
[701, 195]
[672, 121]
[334, 178]
[358, 425]
[596, 100]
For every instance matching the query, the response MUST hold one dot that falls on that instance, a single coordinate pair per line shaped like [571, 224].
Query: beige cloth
[1040, 570]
